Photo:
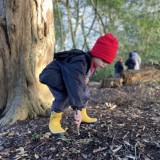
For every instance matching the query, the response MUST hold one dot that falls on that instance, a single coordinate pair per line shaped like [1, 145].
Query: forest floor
[128, 128]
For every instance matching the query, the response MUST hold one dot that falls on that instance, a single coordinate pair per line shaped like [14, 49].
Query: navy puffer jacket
[67, 73]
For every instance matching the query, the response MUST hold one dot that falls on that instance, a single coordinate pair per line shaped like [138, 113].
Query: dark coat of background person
[119, 67]
[130, 63]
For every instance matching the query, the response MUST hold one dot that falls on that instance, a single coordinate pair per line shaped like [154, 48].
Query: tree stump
[131, 77]
[112, 83]
[136, 76]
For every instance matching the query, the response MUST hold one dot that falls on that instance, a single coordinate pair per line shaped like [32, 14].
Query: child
[119, 67]
[66, 78]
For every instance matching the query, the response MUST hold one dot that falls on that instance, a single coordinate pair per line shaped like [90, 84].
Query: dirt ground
[128, 128]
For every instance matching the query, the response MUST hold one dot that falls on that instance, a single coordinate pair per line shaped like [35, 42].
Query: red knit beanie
[105, 48]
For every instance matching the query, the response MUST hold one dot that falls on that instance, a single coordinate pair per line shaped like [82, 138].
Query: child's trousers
[61, 101]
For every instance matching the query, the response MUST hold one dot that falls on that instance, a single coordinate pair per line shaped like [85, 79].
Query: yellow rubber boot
[55, 125]
[86, 118]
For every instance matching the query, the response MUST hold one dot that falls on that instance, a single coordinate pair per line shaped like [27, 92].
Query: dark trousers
[61, 101]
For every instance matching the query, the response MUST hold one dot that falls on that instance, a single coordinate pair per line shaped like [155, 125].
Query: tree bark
[112, 83]
[140, 76]
[26, 46]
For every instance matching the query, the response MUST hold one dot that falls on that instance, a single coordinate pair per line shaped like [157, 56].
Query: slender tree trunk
[26, 46]
[99, 16]
[71, 25]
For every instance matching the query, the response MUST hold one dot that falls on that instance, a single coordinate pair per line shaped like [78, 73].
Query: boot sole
[88, 122]
[58, 135]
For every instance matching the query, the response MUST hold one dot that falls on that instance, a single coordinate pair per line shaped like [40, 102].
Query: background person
[119, 67]
[130, 62]
[137, 59]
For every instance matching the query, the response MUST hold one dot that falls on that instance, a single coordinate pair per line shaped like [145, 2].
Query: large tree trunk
[26, 46]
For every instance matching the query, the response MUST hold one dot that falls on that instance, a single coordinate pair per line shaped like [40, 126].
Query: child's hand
[78, 117]
[86, 80]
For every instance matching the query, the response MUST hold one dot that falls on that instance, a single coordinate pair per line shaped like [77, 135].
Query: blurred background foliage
[136, 23]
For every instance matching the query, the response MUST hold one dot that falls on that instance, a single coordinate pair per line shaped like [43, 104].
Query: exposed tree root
[22, 110]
